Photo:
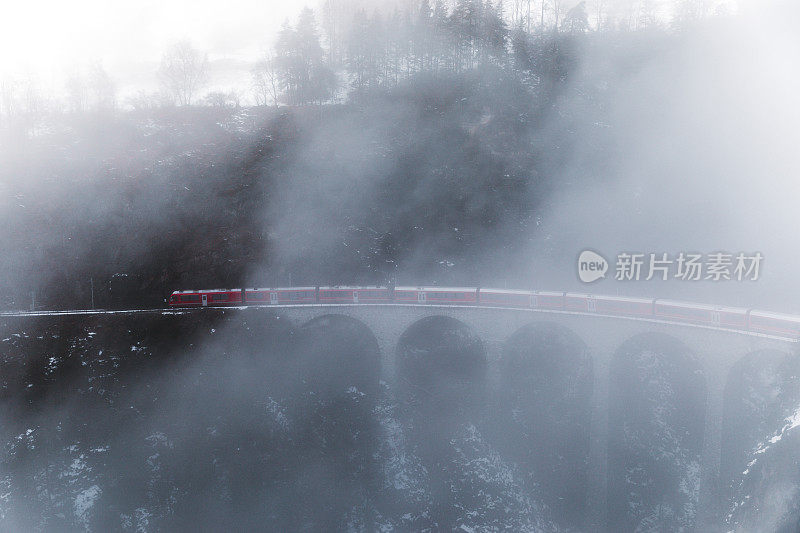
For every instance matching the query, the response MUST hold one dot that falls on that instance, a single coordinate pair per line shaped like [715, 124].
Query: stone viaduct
[715, 350]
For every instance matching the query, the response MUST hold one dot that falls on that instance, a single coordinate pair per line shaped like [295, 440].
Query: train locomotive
[734, 318]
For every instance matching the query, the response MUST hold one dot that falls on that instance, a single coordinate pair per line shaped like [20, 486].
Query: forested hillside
[435, 176]
[466, 144]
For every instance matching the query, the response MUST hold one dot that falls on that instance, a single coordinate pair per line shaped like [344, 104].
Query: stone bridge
[715, 351]
[602, 340]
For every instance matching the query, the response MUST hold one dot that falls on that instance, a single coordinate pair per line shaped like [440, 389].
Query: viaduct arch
[728, 363]
[597, 342]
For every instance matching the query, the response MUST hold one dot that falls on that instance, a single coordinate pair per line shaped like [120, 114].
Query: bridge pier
[718, 359]
[388, 349]
[707, 518]
[716, 350]
[597, 494]
[494, 367]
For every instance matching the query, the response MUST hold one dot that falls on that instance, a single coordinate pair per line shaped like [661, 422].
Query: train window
[190, 298]
[256, 296]
[372, 294]
[446, 296]
[509, 298]
[336, 294]
[296, 295]
[219, 298]
[405, 294]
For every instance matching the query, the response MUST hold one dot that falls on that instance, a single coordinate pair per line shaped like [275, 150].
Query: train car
[547, 300]
[691, 313]
[285, 296]
[376, 295]
[624, 306]
[709, 315]
[609, 305]
[205, 298]
[436, 295]
[774, 323]
[185, 299]
[354, 295]
[504, 298]
[578, 302]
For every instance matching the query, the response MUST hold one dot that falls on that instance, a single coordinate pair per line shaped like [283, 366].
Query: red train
[657, 309]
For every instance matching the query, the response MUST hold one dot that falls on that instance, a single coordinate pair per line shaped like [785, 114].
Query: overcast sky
[47, 38]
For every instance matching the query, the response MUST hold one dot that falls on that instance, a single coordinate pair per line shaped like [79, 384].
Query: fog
[407, 143]
[703, 161]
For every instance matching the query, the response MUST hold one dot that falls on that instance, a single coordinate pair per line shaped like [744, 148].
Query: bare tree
[576, 19]
[687, 12]
[8, 89]
[77, 93]
[266, 82]
[144, 101]
[104, 92]
[183, 71]
[528, 15]
[34, 101]
[600, 17]
[222, 99]
[558, 9]
[518, 13]
[541, 22]
[331, 13]
[648, 14]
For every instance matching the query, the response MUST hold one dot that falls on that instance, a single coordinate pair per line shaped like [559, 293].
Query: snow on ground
[5, 494]
[791, 423]
[85, 501]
